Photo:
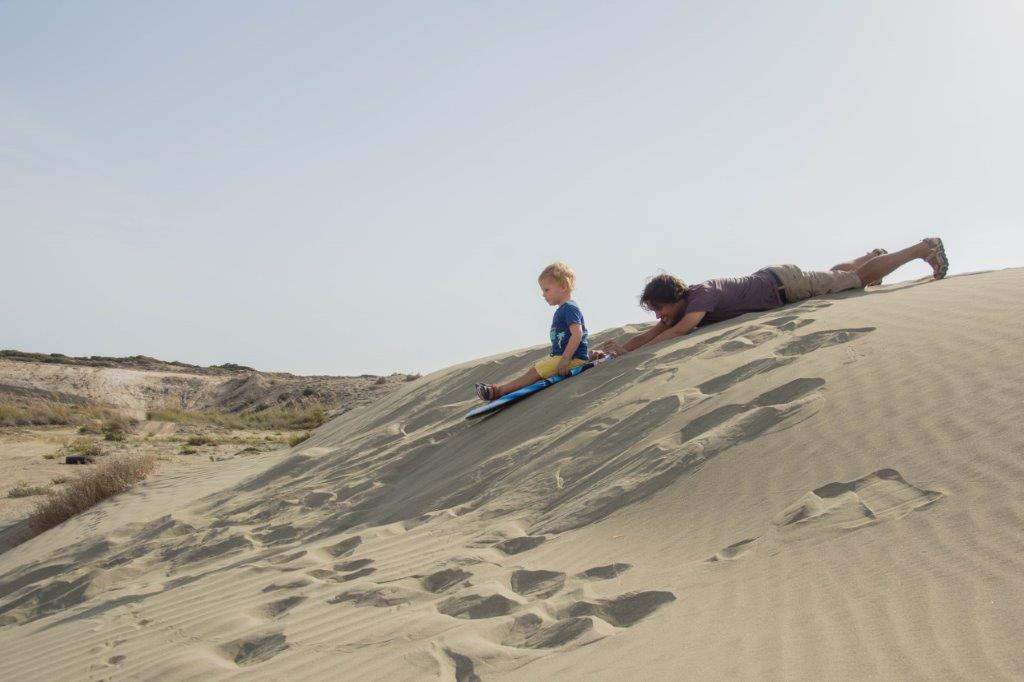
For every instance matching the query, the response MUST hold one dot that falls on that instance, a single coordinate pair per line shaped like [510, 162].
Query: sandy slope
[833, 489]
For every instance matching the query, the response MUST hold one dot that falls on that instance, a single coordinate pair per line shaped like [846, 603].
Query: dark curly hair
[663, 288]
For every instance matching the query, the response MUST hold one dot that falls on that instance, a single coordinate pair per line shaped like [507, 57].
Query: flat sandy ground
[831, 490]
[34, 456]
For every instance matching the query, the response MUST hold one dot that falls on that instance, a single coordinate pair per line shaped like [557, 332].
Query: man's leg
[852, 265]
[929, 250]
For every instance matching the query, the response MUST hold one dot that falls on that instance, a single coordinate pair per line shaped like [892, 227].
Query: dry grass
[53, 414]
[109, 478]
[298, 438]
[83, 446]
[26, 490]
[267, 419]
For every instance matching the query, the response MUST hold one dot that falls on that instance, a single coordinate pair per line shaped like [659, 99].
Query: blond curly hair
[561, 273]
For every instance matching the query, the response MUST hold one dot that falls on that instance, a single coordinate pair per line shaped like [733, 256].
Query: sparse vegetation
[275, 418]
[52, 414]
[106, 479]
[26, 490]
[60, 480]
[117, 428]
[200, 440]
[298, 438]
[187, 450]
[83, 446]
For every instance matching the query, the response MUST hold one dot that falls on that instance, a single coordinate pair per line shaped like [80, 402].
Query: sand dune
[832, 489]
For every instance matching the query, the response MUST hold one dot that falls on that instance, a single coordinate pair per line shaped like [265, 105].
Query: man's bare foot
[936, 257]
[873, 253]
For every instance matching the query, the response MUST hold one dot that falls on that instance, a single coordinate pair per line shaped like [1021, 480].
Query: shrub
[188, 451]
[58, 480]
[106, 479]
[83, 446]
[26, 490]
[277, 418]
[118, 427]
[381, 381]
[298, 438]
[200, 440]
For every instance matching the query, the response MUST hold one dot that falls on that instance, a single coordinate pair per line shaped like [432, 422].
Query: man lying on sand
[681, 309]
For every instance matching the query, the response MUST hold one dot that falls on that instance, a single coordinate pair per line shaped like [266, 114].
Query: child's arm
[575, 338]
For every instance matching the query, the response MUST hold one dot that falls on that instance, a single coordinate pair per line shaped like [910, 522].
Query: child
[568, 334]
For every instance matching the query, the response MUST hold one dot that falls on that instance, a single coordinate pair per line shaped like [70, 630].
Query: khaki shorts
[800, 284]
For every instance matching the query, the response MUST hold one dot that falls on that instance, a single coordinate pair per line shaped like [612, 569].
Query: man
[681, 309]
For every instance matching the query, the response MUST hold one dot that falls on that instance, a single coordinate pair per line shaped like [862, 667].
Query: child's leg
[531, 377]
[495, 391]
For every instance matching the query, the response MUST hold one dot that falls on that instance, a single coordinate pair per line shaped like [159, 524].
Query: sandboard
[516, 396]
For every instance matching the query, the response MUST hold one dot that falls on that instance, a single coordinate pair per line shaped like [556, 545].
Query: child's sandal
[486, 392]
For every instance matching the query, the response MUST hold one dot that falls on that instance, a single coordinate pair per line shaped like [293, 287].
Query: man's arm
[682, 327]
[635, 342]
[657, 334]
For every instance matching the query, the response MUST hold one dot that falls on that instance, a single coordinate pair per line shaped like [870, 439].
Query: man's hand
[563, 367]
[613, 349]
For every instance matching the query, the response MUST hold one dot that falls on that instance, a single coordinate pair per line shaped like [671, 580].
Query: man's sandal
[937, 257]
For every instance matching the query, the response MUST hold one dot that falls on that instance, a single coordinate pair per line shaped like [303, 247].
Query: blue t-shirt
[566, 314]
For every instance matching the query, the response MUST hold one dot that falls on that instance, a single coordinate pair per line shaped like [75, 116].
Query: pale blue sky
[340, 188]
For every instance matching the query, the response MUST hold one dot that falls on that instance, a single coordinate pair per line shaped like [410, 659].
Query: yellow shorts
[549, 365]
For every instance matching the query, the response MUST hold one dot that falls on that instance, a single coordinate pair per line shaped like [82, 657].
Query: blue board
[515, 396]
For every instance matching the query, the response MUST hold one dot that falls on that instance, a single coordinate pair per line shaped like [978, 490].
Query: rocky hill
[137, 384]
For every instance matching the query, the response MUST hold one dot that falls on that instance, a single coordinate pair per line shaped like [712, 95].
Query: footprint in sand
[474, 606]
[788, 322]
[293, 585]
[529, 631]
[380, 597]
[520, 544]
[256, 649]
[538, 584]
[464, 670]
[344, 548]
[445, 579]
[606, 572]
[880, 495]
[733, 551]
[623, 611]
[279, 608]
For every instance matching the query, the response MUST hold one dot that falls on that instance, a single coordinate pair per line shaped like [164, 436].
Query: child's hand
[563, 367]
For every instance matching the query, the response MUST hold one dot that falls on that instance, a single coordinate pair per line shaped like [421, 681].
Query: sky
[353, 187]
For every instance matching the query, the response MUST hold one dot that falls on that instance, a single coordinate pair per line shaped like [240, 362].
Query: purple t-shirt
[729, 297]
